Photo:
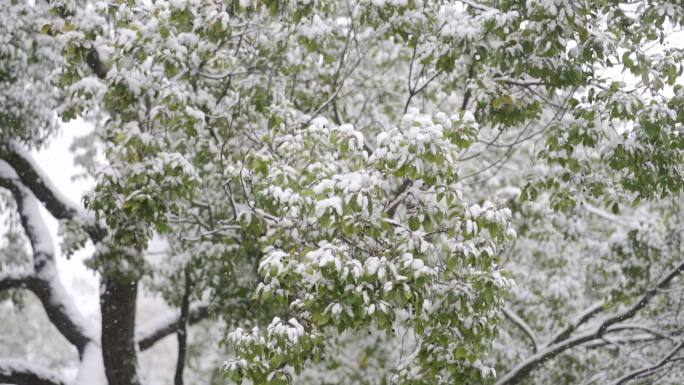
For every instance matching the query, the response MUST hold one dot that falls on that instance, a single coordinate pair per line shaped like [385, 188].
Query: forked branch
[520, 371]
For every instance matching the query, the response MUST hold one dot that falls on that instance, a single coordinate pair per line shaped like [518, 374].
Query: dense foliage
[380, 192]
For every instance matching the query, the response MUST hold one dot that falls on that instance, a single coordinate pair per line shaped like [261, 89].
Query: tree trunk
[117, 302]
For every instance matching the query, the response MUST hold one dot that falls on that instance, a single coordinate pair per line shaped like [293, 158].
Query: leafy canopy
[213, 117]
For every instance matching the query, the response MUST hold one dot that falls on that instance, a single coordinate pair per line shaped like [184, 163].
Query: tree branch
[478, 6]
[617, 341]
[398, 197]
[653, 332]
[196, 313]
[645, 299]
[16, 280]
[34, 179]
[520, 371]
[468, 92]
[585, 316]
[639, 373]
[522, 325]
[46, 284]
[23, 373]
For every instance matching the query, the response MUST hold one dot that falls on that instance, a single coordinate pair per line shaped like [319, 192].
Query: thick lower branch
[61, 314]
[31, 176]
[45, 282]
[22, 373]
[20, 280]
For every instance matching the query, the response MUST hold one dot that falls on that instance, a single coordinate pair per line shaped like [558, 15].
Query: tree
[341, 183]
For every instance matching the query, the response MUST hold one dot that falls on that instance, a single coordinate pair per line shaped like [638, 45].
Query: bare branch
[520, 371]
[653, 332]
[645, 299]
[522, 325]
[398, 197]
[640, 373]
[196, 313]
[585, 316]
[525, 84]
[617, 341]
[23, 373]
[607, 216]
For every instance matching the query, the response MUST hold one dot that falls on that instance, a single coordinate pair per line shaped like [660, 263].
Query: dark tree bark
[16, 281]
[117, 302]
[195, 314]
[182, 332]
[18, 373]
[95, 63]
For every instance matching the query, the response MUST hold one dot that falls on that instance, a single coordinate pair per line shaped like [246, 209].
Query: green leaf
[414, 223]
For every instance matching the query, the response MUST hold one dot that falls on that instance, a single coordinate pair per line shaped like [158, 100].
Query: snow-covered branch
[16, 280]
[23, 373]
[585, 316]
[626, 340]
[33, 177]
[651, 331]
[59, 307]
[645, 299]
[481, 7]
[520, 371]
[522, 325]
[643, 372]
[606, 215]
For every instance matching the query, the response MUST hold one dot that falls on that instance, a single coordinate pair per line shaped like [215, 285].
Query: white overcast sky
[58, 163]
